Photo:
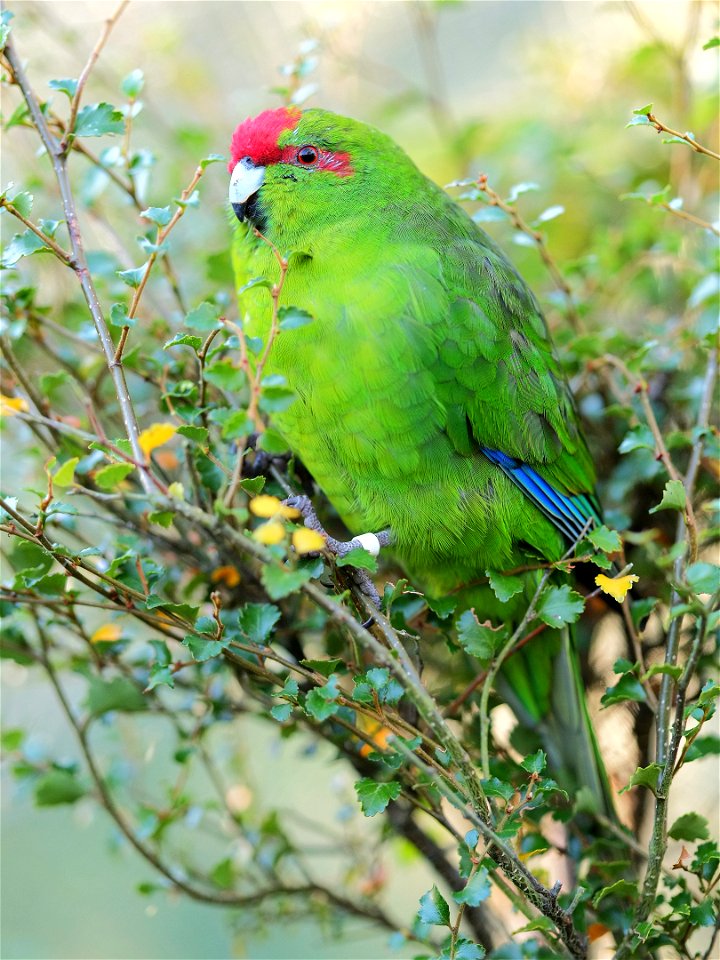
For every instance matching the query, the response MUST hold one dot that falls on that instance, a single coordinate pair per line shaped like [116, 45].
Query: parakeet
[429, 400]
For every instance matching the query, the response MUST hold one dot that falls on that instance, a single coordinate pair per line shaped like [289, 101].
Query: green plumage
[426, 347]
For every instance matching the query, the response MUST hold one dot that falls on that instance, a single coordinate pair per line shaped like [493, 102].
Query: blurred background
[523, 91]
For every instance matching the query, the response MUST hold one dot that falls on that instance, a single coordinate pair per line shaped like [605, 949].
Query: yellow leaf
[228, 575]
[176, 491]
[617, 587]
[307, 541]
[270, 533]
[9, 406]
[155, 436]
[107, 633]
[267, 506]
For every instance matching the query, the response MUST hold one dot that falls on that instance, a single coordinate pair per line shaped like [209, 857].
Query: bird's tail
[542, 684]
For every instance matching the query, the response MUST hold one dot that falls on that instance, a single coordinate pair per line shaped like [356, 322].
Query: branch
[686, 137]
[61, 254]
[58, 158]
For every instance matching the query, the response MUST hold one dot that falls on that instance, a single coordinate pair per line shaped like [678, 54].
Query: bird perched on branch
[429, 401]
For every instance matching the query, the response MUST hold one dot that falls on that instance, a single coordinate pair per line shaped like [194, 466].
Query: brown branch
[495, 200]
[686, 137]
[62, 255]
[85, 74]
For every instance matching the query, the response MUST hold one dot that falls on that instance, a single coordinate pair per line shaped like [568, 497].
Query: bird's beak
[245, 181]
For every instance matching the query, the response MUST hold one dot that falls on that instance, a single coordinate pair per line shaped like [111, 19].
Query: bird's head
[289, 167]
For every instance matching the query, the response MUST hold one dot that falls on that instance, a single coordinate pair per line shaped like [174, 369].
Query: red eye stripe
[336, 162]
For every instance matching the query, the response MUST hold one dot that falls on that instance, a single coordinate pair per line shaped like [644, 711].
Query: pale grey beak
[245, 181]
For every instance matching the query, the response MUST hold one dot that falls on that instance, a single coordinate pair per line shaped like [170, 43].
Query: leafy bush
[152, 556]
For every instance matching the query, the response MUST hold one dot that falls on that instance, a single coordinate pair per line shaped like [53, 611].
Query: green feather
[426, 346]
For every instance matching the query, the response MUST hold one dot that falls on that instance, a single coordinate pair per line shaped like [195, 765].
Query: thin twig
[61, 254]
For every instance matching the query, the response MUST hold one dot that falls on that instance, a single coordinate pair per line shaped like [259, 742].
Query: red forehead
[257, 137]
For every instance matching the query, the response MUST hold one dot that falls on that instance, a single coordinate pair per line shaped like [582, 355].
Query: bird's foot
[372, 542]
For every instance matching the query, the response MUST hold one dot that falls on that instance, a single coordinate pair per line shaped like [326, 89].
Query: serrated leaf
[627, 688]
[279, 582]
[644, 777]
[434, 908]
[22, 245]
[119, 316]
[202, 649]
[535, 763]
[703, 577]
[605, 539]
[374, 797]
[195, 434]
[97, 120]
[560, 605]
[281, 712]
[673, 497]
[480, 640]
[476, 890]
[639, 438]
[504, 586]
[256, 620]
[689, 826]
[158, 215]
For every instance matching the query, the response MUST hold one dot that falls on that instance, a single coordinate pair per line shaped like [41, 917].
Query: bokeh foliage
[163, 571]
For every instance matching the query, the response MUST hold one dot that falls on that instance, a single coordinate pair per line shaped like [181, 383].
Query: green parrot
[429, 401]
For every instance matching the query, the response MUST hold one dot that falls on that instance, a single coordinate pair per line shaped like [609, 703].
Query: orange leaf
[228, 575]
[597, 930]
[155, 436]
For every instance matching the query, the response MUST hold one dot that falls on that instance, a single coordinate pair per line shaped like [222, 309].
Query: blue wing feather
[569, 513]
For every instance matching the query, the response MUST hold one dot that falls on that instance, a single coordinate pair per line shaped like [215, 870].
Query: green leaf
[5, 18]
[211, 158]
[467, 950]
[119, 316]
[257, 620]
[359, 558]
[644, 777]
[476, 890]
[503, 586]
[673, 497]
[184, 340]
[703, 577]
[132, 83]
[605, 539]
[642, 111]
[323, 667]
[158, 215]
[204, 317]
[255, 282]
[223, 874]
[97, 120]
[434, 908]
[626, 890]
[108, 478]
[560, 605]
[68, 86]
[196, 434]
[480, 640]
[281, 712]
[22, 245]
[374, 797]
[63, 476]
[291, 318]
[118, 694]
[225, 375]
[132, 278]
[23, 202]
[672, 670]
[689, 826]
[270, 441]
[201, 648]
[58, 786]
[535, 763]
[279, 582]
[628, 687]
[639, 438]
[713, 42]
[161, 675]
[163, 518]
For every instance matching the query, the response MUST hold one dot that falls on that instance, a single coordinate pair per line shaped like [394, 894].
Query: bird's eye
[307, 156]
